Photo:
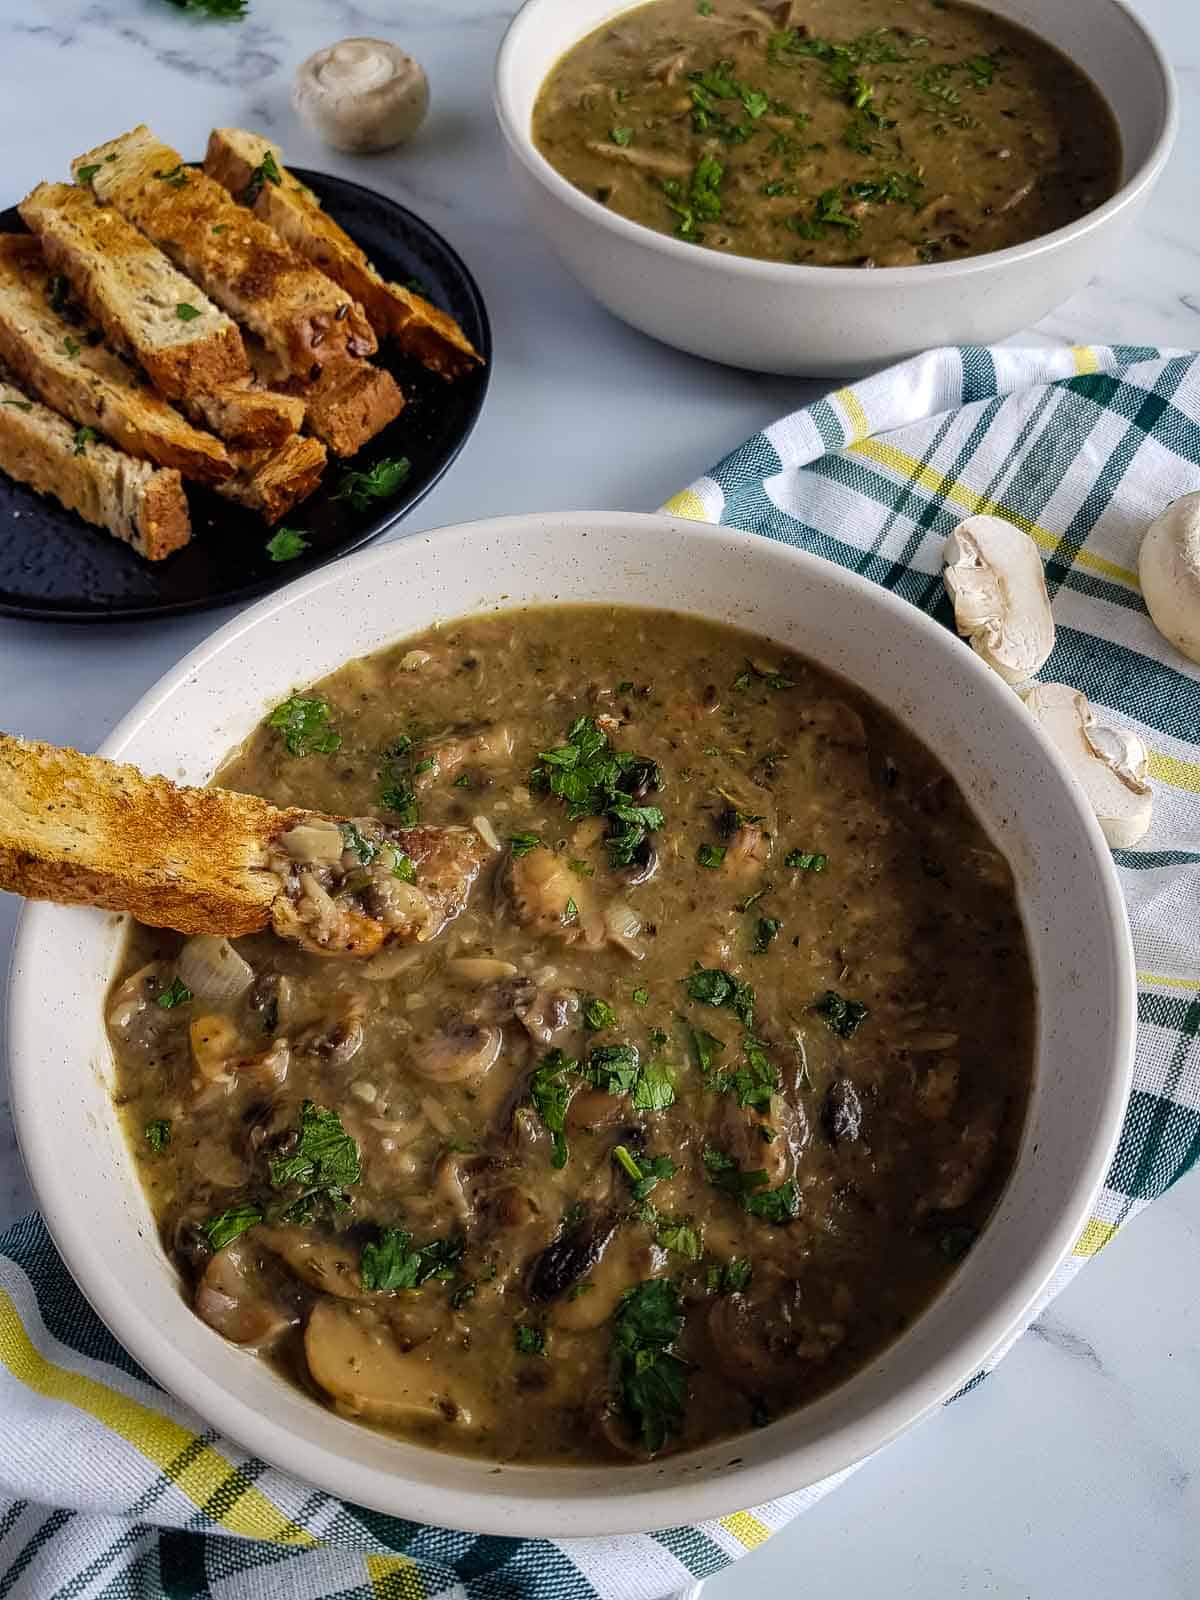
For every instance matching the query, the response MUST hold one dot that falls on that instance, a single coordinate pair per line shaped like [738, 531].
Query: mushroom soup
[874, 133]
[682, 1100]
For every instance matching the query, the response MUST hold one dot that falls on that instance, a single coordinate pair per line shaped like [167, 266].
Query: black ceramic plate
[53, 565]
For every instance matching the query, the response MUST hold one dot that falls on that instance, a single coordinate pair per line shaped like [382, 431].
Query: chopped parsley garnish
[395, 772]
[570, 913]
[286, 544]
[529, 1341]
[403, 867]
[621, 136]
[224, 9]
[732, 1278]
[701, 201]
[522, 843]
[86, 173]
[644, 1172]
[615, 1068]
[598, 1015]
[20, 405]
[595, 780]
[768, 928]
[177, 994]
[323, 1161]
[754, 1082]
[176, 177]
[713, 986]
[706, 1045]
[550, 1092]
[680, 1236]
[843, 1017]
[463, 781]
[806, 860]
[355, 841]
[267, 171]
[382, 480]
[748, 1188]
[641, 997]
[653, 1382]
[581, 869]
[83, 438]
[227, 1225]
[185, 312]
[158, 1134]
[391, 1262]
[304, 725]
[704, 8]
[710, 855]
[71, 346]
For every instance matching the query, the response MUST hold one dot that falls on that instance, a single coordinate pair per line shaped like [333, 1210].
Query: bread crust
[81, 830]
[52, 356]
[419, 328]
[272, 481]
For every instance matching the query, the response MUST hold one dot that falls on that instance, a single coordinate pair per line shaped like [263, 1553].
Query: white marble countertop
[1075, 1470]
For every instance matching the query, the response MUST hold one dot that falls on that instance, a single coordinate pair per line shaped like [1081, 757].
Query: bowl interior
[1074, 919]
[1103, 37]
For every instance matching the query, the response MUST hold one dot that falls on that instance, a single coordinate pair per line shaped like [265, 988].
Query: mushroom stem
[1109, 764]
[994, 574]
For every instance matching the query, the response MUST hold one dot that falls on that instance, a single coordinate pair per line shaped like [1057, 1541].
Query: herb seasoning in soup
[832, 132]
[685, 1115]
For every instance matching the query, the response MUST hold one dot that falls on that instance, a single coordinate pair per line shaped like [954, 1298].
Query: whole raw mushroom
[361, 95]
[1169, 568]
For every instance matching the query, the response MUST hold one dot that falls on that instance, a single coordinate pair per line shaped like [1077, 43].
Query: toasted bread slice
[272, 481]
[85, 831]
[344, 406]
[89, 384]
[134, 293]
[235, 159]
[249, 417]
[298, 312]
[134, 501]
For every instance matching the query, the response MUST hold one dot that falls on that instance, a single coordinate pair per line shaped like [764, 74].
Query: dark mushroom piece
[570, 1257]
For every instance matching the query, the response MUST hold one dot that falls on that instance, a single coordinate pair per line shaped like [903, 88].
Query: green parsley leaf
[363, 849]
[227, 1225]
[529, 1341]
[768, 927]
[84, 437]
[613, 1068]
[779, 1205]
[704, 8]
[705, 1046]
[158, 1134]
[843, 1017]
[703, 198]
[176, 177]
[520, 844]
[713, 986]
[177, 994]
[654, 1090]
[324, 1156]
[681, 1237]
[550, 1094]
[570, 913]
[621, 136]
[641, 997]
[644, 1172]
[71, 346]
[267, 171]
[221, 227]
[598, 1015]
[304, 726]
[85, 174]
[463, 781]
[286, 544]
[595, 780]
[710, 855]
[732, 1278]
[390, 1262]
[581, 869]
[397, 792]
[652, 1381]
[403, 867]
[185, 312]
[381, 481]
[775, 1205]
[20, 405]
[806, 860]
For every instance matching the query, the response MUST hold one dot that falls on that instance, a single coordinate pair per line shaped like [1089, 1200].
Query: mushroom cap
[1169, 568]
[996, 581]
[1109, 764]
[361, 94]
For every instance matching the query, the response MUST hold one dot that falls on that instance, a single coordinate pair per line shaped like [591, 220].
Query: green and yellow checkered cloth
[109, 1487]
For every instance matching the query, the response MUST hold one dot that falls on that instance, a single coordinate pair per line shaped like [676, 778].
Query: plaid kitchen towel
[110, 1487]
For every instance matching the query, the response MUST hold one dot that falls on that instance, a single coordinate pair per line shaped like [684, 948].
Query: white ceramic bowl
[61, 1068]
[820, 321]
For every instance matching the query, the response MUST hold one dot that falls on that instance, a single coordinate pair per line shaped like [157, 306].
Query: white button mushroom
[1169, 567]
[995, 578]
[1110, 764]
[361, 94]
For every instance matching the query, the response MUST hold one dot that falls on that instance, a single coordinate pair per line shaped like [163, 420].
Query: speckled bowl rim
[288, 1428]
